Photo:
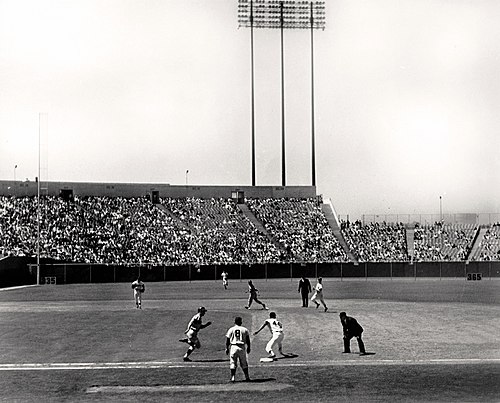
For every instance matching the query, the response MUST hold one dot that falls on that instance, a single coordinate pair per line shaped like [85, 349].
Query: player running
[276, 329]
[253, 292]
[318, 294]
[138, 287]
[236, 339]
[192, 330]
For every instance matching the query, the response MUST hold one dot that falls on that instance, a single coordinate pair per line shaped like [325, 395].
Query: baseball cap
[202, 308]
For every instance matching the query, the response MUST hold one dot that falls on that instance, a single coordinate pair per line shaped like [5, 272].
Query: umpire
[351, 329]
[304, 290]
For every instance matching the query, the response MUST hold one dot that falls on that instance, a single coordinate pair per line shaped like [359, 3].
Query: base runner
[193, 327]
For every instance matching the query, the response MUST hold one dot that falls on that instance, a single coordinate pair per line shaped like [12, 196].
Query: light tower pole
[282, 15]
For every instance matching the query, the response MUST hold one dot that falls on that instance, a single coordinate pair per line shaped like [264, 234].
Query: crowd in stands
[118, 230]
[300, 227]
[222, 233]
[376, 242]
[489, 246]
[443, 241]
[133, 231]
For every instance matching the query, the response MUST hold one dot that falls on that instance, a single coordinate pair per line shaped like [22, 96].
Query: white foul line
[194, 364]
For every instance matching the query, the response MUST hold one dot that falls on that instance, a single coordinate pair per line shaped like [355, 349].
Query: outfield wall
[58, 273]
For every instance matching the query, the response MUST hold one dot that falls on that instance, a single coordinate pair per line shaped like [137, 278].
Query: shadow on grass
[213, 360]
[261, 380]
[287, 356]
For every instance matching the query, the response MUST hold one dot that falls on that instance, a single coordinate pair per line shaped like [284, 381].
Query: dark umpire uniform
[305, 289]
[351, 329]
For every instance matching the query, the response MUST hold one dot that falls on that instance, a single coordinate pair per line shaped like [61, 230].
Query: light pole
[440, 208]
[15, 167]
[282, 15]
[187, 172]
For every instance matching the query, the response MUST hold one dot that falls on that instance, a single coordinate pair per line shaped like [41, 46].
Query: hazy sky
[407, 98]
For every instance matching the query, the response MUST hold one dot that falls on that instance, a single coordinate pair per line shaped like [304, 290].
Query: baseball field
[428, 340]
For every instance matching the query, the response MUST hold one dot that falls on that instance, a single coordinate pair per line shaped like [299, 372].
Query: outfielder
[224, 276]
[193, 327]
[276, 329]
[236, 339]
[138, 287]
[318, 294]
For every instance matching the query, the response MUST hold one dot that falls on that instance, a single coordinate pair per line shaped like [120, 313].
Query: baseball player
[276, 329]
[318, 294]
[193, 327]
[138, 287]
[253, 292]
[224, 276]
[236, 339]
[351, 328]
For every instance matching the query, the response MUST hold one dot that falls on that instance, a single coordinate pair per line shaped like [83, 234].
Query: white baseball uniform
[238, 337]
[276, 329]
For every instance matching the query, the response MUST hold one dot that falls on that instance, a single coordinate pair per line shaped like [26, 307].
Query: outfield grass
[431, 341]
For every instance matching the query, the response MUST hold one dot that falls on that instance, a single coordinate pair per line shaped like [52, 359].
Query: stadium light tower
[278, 14]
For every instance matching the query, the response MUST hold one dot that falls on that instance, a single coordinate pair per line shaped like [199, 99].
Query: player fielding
[138, 287]
[253, 292]
[277, 335]
[224, 275]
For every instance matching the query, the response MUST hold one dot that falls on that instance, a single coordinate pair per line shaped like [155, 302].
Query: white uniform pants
[237, 352]
[138, 297]
[277, 339]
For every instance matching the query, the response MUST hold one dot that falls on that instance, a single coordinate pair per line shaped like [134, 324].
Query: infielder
[193, 327]
[138, 287]
[236, 339]
[318, 294]
[276, 329]
[252, 291]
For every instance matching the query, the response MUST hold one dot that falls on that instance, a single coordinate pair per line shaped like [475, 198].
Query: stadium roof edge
[30, 188]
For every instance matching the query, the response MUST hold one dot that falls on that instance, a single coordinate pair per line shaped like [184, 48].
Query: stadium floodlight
[278, 14]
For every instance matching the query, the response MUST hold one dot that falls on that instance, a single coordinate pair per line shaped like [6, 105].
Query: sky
[406, 94]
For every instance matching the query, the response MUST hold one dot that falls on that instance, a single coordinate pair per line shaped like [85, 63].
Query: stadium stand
[192, 230]
[300, 226]
[223, 233]
[488, 246]
[443, 241]
[376, 242]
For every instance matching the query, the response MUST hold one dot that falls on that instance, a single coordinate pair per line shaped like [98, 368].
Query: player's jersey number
[237, 337]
